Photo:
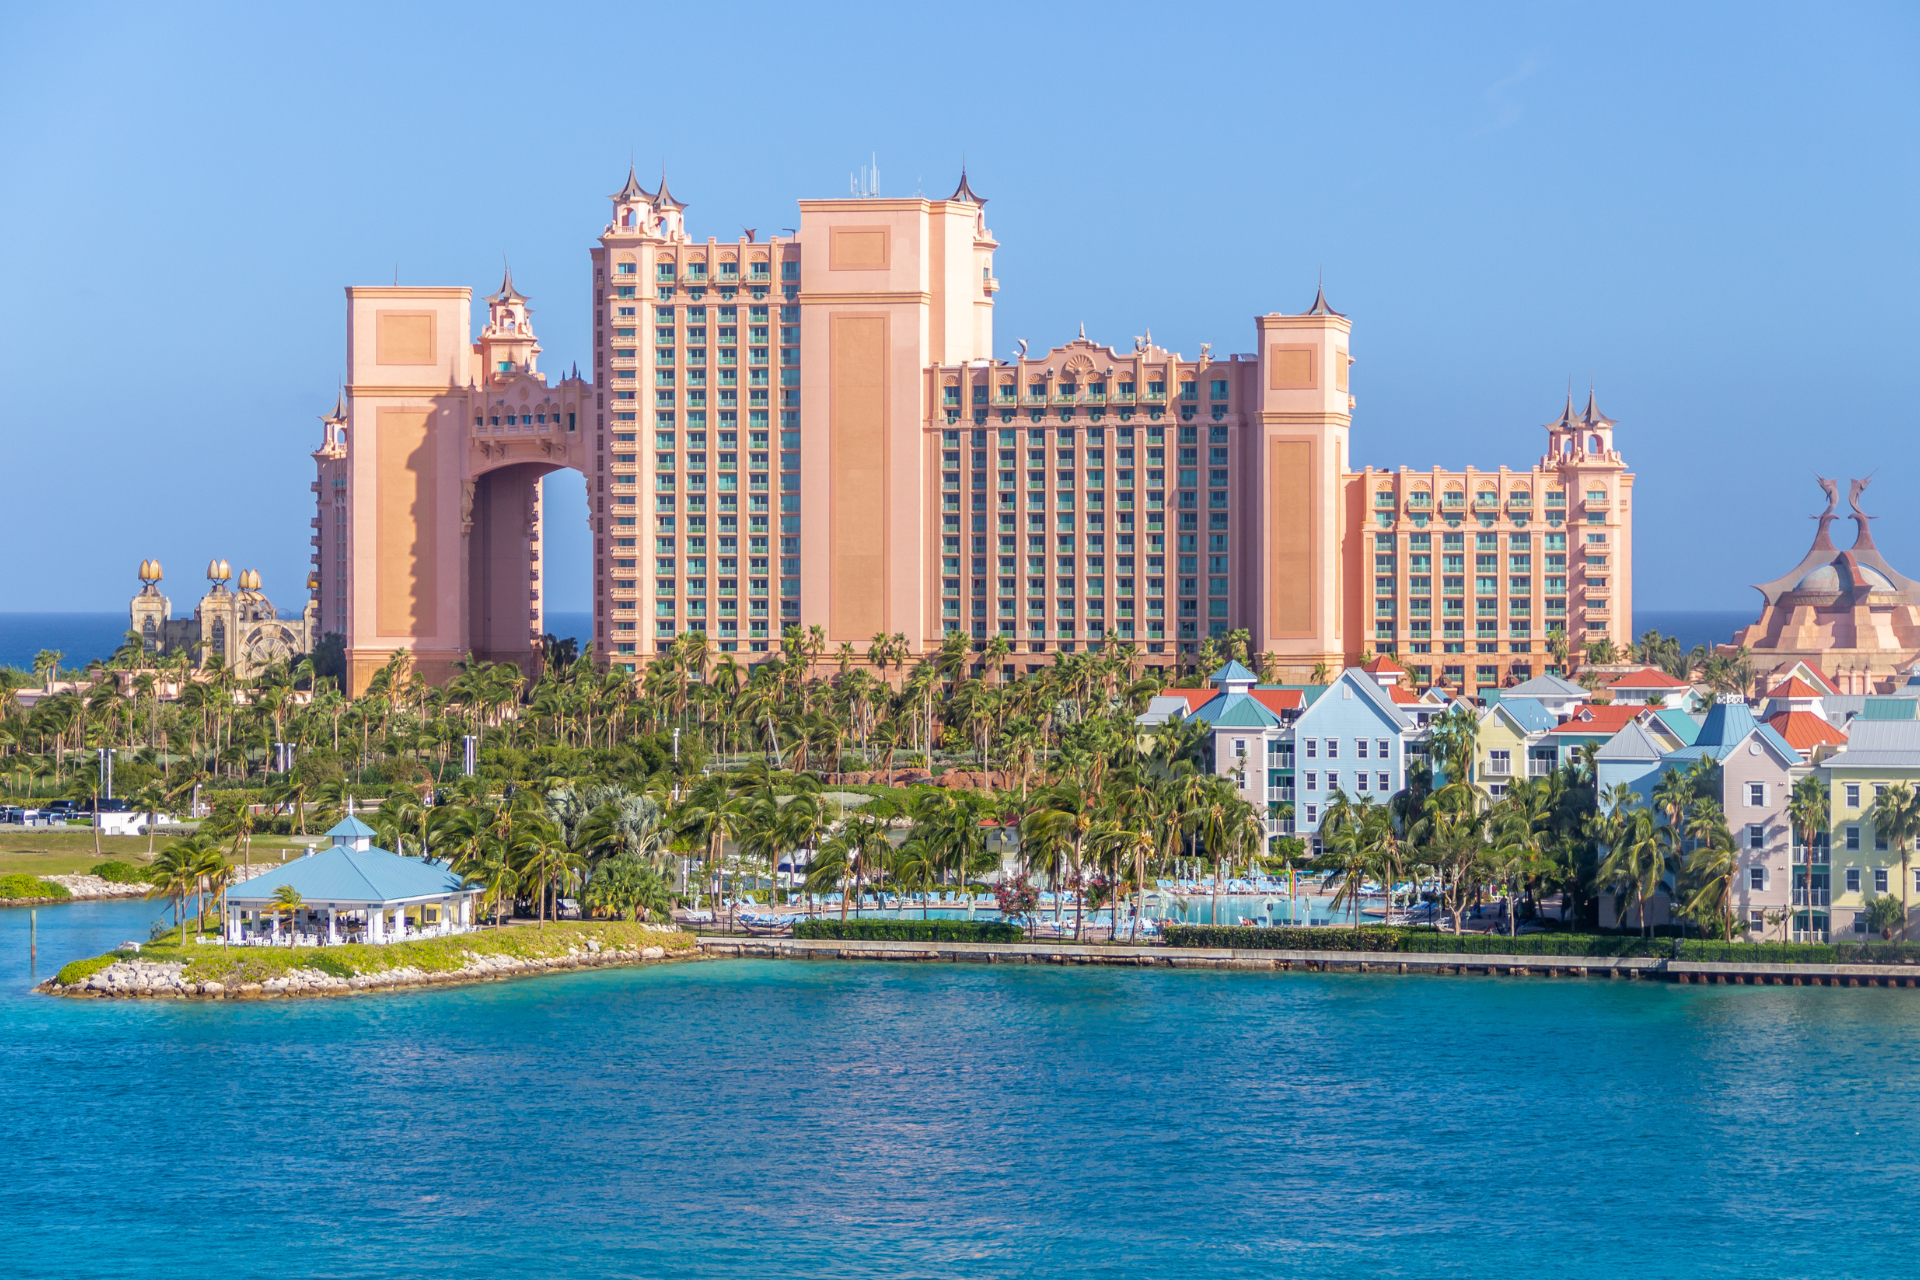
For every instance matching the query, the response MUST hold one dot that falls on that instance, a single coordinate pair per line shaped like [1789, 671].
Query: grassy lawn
[43, 851]
[234, 965]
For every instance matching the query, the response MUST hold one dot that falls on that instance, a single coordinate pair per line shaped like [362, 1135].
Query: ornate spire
[1320, 307]
[965, 192]
[663, 198]
[507, 292]
[1592, 417]
[633, 190]
[1567, 419]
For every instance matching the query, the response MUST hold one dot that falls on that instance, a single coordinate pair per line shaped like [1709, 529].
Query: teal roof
[1895, 708]
[1235, 711]
[1233, 673]
[351, 828]
[1726, 726]
[352, 876]
[1684, 726]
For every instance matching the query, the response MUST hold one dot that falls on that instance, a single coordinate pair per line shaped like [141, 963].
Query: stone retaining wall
[1833, 975]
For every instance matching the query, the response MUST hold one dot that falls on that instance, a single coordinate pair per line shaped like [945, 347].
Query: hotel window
[1756, 836]
[1384, 782]
[1756, 794]
[1853, 879]
[1189, 390]
[1380, 749]
[1313, 747]
[1219, 389]
[1313, 814]
[1333, 780]
[1313, 781]
[1853, 839]
[1853, 795]
[1879, 879]
[1756, 878]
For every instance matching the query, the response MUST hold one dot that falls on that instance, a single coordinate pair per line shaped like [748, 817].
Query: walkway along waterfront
[1831, 975]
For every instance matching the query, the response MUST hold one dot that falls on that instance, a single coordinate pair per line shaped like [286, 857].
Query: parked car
[568, 909]
[13, 814]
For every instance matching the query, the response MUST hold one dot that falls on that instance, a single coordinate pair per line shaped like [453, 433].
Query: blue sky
[1708, 209]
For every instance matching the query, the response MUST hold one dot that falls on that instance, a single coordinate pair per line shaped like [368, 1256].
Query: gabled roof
[1235, 710]
[350, 828]
[345, 875]
[1529, 713]
[1795, 687]
[1278, 700]
[1651, 678]
[1813, 675]
[1365, 689]
[1384, 665]
[1545, 687]
[1233, 673]
[1682, 724]
[1632, 743]
[1804, 730]
[1880, 744]
[1602, 720]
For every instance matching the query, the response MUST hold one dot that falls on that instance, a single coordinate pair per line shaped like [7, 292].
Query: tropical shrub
[909, 930]
[20, 886]
[78, 971]
[1615, 947]
[116, 872]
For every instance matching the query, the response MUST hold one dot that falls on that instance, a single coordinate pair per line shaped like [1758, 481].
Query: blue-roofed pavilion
[351, 892]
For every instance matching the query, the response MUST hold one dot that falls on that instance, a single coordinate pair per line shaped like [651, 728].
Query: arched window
[1593, 444]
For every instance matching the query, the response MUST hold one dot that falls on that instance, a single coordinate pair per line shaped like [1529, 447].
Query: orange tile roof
[1403, 696]
[1608, 718]
[1794, 687]
[1804, 730]
[1651, 678]
[1386, 664]
[1818, 677]
[1196, 698]
[1278, 700]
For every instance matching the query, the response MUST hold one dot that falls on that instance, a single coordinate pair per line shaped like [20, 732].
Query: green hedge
[21, 885]
[116, 872]
[1538, 944]
[1878, 952]
[1760, 952]
[910, 930]
[1245, 938]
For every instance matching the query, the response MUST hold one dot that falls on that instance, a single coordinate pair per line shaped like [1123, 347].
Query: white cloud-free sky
[1708, 209]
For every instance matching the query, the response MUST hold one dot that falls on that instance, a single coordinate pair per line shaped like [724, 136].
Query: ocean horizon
[83, 637]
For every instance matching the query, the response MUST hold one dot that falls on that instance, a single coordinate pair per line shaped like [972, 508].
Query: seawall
[1683, 971]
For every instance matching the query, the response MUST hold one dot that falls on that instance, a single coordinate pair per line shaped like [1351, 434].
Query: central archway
[504, 613]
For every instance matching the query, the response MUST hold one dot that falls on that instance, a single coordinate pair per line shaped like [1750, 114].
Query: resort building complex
[812, 430]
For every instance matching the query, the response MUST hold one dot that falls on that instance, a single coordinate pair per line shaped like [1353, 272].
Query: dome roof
[1826, 578]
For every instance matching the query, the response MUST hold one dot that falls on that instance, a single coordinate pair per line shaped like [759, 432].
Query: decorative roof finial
[965, 192]
[1320, 307]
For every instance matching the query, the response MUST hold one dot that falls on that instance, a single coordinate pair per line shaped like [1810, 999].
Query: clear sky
[1710, 210]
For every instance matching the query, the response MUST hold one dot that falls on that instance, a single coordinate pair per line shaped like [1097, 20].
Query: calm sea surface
[758, 1118]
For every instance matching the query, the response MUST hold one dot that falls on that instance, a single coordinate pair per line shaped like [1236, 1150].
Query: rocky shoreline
[84, 887]
[152, 979]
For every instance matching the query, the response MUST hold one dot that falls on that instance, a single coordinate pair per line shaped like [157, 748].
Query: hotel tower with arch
[812, 430]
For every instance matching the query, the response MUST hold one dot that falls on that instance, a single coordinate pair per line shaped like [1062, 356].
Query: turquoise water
[754, 1118]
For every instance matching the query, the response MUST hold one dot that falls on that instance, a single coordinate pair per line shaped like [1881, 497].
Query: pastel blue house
[1353, 740]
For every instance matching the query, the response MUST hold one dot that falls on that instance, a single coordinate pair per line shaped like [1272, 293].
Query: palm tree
[175, 874]
[1636, 868]
[1713, 865]
[287, 898]
[1809, 809]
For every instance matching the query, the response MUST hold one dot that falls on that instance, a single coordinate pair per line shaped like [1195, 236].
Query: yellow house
[1856, 864]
